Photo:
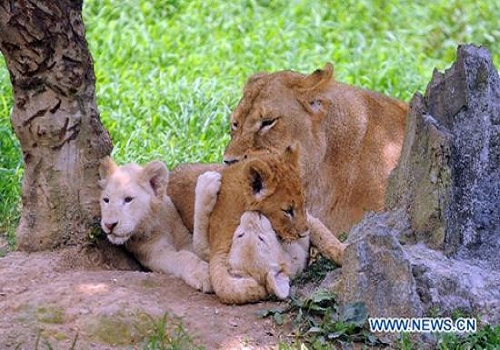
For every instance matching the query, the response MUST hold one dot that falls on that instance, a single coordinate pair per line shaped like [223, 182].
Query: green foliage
[316, 271]
[319, 322]
[486, 338]
[167, 333]
[164, 333]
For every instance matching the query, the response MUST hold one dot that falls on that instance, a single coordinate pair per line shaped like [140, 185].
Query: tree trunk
[56, 120]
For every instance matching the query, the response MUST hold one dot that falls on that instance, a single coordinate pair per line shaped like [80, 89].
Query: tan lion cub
[269, 184]
[255, 249]
[137, 212]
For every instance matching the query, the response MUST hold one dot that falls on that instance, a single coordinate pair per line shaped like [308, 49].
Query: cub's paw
[199, 277]
[207, 187]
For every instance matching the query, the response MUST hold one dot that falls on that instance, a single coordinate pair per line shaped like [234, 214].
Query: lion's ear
[155, 174]
[310, 89]
[107, 167]
[260, 178]
[278, 283]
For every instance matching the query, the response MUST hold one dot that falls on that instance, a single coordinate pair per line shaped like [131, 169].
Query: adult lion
[350, 138]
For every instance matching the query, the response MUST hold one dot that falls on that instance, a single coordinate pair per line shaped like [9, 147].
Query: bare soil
[42, 297]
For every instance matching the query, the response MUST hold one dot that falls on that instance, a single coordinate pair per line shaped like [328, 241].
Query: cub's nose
[303, 234]
[111, 226]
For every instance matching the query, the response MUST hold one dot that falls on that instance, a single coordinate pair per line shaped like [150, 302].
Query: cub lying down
[137, 212]
[256, 252]
[255, 249]
[269, 184]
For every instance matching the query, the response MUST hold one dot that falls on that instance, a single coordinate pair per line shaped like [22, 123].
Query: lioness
[137, 212]
[350, 138]
[268, 184]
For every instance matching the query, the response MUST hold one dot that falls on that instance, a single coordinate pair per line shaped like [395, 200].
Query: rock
[376, 269]
[442, 202]
[420, 184]
[448, 178]
[449, 284]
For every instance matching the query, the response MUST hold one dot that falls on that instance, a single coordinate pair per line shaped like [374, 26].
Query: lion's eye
[289, 212]
[261, 239]
[128, 199]
[267, 123]
[234, 126]
[105, 200]
[241, 235]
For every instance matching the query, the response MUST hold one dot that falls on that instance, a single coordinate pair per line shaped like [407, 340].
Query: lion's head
[273, 188]
[129, 195]
[277, 109]
[256, 252]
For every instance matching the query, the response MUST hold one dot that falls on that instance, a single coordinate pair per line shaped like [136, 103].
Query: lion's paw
[207, 187]
[199, 277]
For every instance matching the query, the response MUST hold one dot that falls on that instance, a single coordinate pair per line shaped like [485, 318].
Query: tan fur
[181, 188]
[255, 249]
[136, 212]
[269, 184]
[256, 252]
[350, 139]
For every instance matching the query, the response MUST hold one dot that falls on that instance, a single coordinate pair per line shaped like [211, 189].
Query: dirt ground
[42, 298]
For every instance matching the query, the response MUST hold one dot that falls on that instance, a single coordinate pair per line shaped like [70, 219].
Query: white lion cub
[137, 212]
[255, 250]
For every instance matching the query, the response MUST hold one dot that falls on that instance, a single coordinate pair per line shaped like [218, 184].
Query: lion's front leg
[207, 187]
[183, 264]
[326, 242]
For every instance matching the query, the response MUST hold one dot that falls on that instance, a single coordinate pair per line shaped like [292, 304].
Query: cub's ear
[278, 283]
[107, 167]
[310, 89]
[260, 178]
[291, 154]
[155, 174]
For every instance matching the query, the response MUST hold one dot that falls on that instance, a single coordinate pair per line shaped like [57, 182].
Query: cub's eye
[105, 200]
[289, 212]
[234, 126]
[128, 199]
[261, 239]
[240, 235]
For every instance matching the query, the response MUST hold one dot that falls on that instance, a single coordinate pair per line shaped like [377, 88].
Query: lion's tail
[233, 289]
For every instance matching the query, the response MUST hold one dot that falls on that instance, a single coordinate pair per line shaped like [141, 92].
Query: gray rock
[377, 271]
[437, 246]
[449, 284]
[448, 177]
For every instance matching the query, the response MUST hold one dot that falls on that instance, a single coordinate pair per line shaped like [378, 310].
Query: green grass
[155, 333]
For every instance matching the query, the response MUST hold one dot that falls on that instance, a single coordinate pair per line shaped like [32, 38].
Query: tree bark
[56, 120]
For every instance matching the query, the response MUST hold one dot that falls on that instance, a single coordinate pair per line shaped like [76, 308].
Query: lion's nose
[111, 226]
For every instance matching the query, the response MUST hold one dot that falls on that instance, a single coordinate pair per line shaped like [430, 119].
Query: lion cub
[255, 249]
[137, 212]
[269, 184]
